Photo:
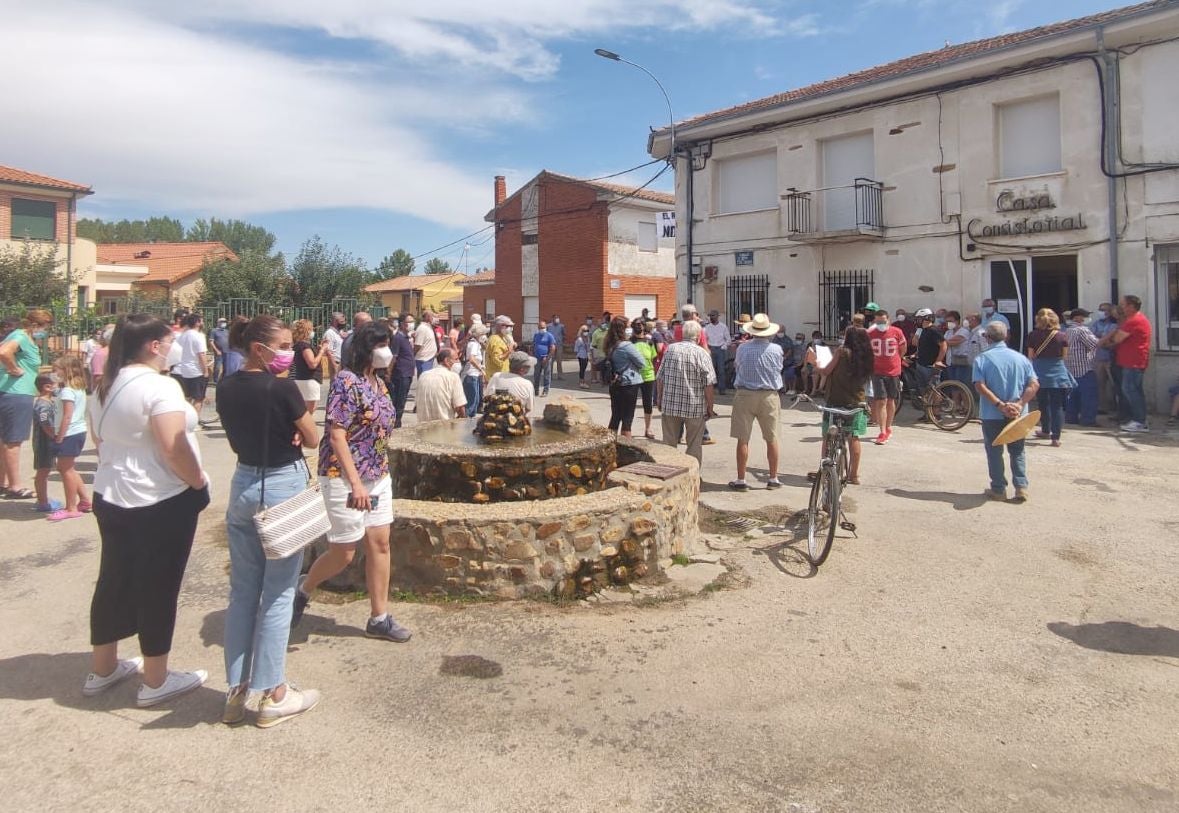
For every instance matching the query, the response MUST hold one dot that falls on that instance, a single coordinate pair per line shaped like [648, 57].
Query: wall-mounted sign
[1024, 225]
[1007, 306]
[743, 257]
[615, 284]
[665, 224]
[1009, 202]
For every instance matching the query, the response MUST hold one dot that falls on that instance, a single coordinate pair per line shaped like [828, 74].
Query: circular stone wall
[443, 461]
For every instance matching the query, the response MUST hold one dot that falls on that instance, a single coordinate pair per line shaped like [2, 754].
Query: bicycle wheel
[950, 405]
[820, 522]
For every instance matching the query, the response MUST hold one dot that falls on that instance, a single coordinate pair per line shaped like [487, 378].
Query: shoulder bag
[293, 524]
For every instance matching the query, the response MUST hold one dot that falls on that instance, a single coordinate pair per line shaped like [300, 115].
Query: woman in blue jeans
[266, 421]
[1047, 347]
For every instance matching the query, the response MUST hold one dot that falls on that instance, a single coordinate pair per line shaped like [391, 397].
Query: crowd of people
[138, 388]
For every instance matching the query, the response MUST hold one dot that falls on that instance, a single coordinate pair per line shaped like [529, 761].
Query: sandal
[649, 436]
[19, 494]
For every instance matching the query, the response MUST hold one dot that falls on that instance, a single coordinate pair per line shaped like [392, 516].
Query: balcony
[836, 213]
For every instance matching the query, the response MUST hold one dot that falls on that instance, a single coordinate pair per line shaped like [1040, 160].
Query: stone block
[650, 489]
[552, 547]
[459, 539]
[611, 535]
[518, 551]
[449, 562]
[583, 542]
[640, 526]
[567, 411]
[548, 570]
[609, 550]
[577, 523]
[548, 529]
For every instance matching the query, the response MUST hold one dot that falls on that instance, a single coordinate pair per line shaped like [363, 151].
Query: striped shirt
[1082, 346]
[683, 375]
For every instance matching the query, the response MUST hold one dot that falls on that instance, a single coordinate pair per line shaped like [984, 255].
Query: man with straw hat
[1006, 383]
[759, 377]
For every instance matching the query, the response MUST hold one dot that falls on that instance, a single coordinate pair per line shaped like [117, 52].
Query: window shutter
[747, 183]
[1029, 137]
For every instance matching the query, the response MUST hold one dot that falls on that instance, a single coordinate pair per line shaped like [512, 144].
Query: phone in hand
[372, 502]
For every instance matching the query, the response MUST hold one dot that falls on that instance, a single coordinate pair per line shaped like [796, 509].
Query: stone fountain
[563, 508]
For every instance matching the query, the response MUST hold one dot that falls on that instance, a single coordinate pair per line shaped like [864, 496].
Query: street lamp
[602, 52]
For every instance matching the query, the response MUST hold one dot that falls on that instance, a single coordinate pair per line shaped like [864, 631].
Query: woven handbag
[293, 524]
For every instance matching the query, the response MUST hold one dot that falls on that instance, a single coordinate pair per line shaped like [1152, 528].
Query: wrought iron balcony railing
[836, 211]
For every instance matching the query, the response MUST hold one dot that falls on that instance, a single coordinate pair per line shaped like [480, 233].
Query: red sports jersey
[887, 347]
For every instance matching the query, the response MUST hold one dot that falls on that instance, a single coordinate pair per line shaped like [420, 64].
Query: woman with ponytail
[266, 421]
[149, 490]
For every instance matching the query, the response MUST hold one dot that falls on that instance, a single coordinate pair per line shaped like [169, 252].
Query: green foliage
[436, 265]
[154, 229]
[30, 274]
[321, 273]
[237, 234]
[398, 264]
[253, 276]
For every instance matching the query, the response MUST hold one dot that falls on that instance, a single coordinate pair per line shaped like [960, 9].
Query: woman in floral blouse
[354, 476]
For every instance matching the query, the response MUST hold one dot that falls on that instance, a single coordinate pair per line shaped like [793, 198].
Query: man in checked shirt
[684, 390]
[1081, 406]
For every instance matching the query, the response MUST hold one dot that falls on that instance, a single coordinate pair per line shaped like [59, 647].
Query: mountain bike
[948, 404]
[825, 509]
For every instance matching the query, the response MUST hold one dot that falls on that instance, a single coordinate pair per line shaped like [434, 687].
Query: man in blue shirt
[989, 314]
[758, 380]
[542, 348]
[1005, 382]
[220, 343]
[557, 329]
[1103, 324]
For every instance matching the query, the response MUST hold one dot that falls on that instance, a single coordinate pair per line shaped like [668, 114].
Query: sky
[380, 124]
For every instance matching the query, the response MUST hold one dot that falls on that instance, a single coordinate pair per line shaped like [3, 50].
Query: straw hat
[760, 325]
[1018, 429]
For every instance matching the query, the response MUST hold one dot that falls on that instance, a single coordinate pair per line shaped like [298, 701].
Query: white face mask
[409, 326]
[988, 310]
[951, 325]
[900, 317]
[881, 326]
[382, 358]
[173, 357]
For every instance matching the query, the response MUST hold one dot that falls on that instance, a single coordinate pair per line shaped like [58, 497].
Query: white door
[633, 305]
[844, 160]
[531, 317]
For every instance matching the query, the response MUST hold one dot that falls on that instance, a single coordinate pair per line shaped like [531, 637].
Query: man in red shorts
[888, 348]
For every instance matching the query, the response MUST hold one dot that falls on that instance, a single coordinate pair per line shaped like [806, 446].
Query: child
[43, 414]
[70, 436]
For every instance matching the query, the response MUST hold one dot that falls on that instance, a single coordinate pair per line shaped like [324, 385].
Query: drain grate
[744, 523]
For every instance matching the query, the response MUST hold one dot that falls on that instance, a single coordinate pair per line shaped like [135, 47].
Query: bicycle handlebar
[843, 413]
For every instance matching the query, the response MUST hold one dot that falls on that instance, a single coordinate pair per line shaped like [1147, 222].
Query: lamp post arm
[667, 99]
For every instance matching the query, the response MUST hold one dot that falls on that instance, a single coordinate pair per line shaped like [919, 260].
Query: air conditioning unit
[711, 272]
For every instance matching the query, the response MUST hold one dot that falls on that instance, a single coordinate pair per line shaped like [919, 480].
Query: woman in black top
[266, 422]
[308, 373]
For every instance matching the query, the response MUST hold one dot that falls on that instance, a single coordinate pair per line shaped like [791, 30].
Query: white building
[1039, 168]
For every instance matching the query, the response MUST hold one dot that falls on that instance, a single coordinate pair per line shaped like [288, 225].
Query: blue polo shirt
[1006, 373]
[542, 343]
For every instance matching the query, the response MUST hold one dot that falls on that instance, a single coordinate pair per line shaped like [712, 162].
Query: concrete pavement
[959, 655]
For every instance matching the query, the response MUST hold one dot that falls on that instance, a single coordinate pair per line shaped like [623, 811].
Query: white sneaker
[1135, 427]
[176, 684]
[97, 684]
[293, 703]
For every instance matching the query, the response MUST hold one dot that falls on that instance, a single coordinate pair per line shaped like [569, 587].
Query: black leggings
[623, 399]
[144, 553]
[647, 388]
[581, 365]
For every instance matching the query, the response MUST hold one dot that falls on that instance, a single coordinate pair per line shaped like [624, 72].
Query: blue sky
[380, 124]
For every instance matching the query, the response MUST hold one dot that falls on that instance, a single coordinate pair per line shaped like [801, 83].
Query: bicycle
[948, 404]
[825, 509]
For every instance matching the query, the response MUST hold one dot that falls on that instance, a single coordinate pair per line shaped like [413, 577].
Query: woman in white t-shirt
[148, 491]
[473, 369]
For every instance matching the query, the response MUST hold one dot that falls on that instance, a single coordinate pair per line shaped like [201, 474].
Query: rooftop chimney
[501, 189]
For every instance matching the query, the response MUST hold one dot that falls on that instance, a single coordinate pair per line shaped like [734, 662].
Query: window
[648, 239]
[746, 293]
[34, 219]
[845, 160]
[1029, 137]
[747, 183]
[488, 310]
[528, 238]
[842, 293]
[1166, 263]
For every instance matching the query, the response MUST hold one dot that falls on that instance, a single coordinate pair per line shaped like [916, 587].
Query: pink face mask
[282, 361]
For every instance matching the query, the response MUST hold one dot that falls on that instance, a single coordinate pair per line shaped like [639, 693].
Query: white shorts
[309, 389]
[348, 524]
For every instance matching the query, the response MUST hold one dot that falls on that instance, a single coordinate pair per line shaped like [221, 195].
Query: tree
[436, 265]
[30, 275]
[397, 264]
[253, 275]
[237, 234]
[322, 273]
[154, 229]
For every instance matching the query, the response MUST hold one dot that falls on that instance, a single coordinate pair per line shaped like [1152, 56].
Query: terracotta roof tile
[20, 176]
[412, 282]
[923, 62]
[618, 189]
[166, 262]
[476, 279]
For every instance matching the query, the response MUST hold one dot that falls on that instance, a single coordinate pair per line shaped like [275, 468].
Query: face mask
[900, 317]
[409, 326]
[40, 335]
[282, 360]
[939, 321]
[382, 357]
[800, 338]
[881, 326]
[628, 333]
[951, 325]
[988, 310]
[221, 325]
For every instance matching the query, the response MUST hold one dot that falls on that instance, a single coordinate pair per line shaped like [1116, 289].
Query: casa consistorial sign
[1034, 206]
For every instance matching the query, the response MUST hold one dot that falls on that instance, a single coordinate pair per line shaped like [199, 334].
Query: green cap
[871, 306]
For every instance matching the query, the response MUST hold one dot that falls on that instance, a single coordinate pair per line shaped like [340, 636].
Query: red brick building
[571, 248]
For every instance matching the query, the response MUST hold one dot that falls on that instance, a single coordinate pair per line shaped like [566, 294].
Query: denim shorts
[16, 417]
[70, 446]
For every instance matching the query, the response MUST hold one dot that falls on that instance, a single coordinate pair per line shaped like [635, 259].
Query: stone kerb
[515, 550]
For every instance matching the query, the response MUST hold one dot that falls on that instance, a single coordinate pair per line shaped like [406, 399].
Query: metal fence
[859, 206]
[842, 293]
[746, 293]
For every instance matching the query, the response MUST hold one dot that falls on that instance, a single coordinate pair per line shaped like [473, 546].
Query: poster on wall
[665, 225]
